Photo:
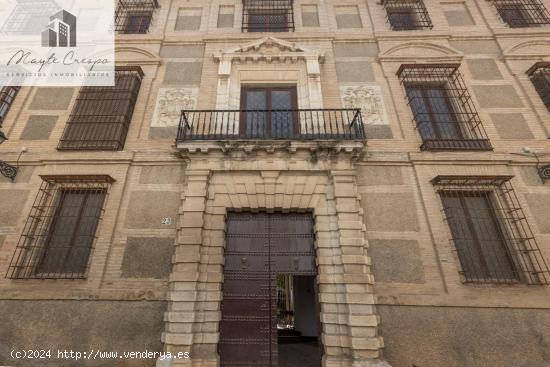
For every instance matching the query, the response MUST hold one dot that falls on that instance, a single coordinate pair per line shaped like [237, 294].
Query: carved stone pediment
[267, 43]
[270, 50]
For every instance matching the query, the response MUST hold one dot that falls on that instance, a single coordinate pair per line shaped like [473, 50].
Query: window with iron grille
[134, 16]
[443, 111]
[7, 95]
[540, 77]
[493, 240]
[522, 13]
[59, 234]
[268, 16]
[29, 17]
[101, 115]
[407, 15]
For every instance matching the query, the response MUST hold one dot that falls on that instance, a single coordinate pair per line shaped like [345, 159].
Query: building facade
[389, 159]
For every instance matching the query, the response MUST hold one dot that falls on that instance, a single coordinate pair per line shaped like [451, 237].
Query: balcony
[277, 125]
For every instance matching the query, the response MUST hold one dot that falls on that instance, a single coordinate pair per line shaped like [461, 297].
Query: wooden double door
[259, 247]
[269, 112]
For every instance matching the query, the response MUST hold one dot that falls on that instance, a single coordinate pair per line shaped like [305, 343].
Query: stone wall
[465, 337]
[80, 326]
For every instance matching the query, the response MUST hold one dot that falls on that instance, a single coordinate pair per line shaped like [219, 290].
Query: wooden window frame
[530, 13]
[515, 236]
[28, 261]
[427, 101]
[410, 23]
[95, 123]
[126, 9]
[268, 9]
[143, 27]
[269, 90]
[268, 25]
[7, 96]
[39, 271]
[486, 197]
[539, 74]
[416, 11]
[472, 134]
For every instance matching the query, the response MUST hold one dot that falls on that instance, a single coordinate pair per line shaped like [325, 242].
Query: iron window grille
[407, 15]
[522, 13]
[491, 235]
[7, 95]
[540, 77]
[268, 16]
[101, 115]
[29, 16]
[443, 110]
[60, 231]
[134, 16]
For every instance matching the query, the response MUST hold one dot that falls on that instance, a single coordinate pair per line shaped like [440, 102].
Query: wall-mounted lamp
[542, 169]
[6, 169]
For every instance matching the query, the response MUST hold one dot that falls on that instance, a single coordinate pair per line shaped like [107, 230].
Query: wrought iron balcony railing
[295, 124]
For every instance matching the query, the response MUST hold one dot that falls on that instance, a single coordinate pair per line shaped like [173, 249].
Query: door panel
[256, 119]
[281, 121]
[271, 112]
[258, 247]
[246, 298]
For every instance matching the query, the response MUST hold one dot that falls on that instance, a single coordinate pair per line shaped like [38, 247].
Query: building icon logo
[61, 31]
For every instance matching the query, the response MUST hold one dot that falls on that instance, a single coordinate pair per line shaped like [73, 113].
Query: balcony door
[269, 113]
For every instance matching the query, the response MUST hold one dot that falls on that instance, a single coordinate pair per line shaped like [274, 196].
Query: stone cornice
[268, 49]
[270, 146]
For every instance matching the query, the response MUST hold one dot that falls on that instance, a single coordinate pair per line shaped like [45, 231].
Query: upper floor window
[406, 15]
[493, 240]
[269, 112]
[101, 115]
[59, 234]
[522, 13]
[540, 77]
[29, 17]
[268, 16]
[134, 16]
[7, 95]
[442, 108]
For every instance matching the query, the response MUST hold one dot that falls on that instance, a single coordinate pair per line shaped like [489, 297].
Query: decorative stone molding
[247, 146]
[269, 51]
[369, 99]
[418, 50]
[170, 102]
[528, 50]
[347, 302]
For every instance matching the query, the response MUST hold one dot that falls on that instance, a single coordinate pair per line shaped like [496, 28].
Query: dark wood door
[258, 247]
[269, 112]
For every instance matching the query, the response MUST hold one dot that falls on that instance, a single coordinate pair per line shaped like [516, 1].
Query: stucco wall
[465, 337]
[117, 326]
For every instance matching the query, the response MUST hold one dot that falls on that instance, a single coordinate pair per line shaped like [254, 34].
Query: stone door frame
[348, 318]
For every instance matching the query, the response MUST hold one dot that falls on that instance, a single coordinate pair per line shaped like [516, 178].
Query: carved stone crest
[170, 102]
[369, 99]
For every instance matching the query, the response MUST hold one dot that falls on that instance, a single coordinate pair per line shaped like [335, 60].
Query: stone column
[361, 319]
[184, 285]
